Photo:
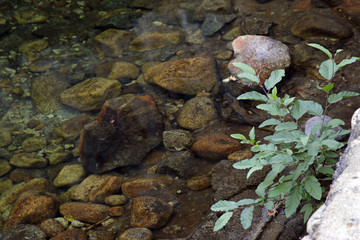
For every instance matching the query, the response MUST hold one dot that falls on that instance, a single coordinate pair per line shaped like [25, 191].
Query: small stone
[180, 163]
[150, 212]
[69, 175]
[34, 46]
[71, 128]
[177, 140]
[198, 183]
[116, 200]
[58, 157]
[5, 167]
[28, 160]
[51, 227]
[139, 186]
[33, 144]
[214, 22]
[40, 66]
[136, 234]
[112, 42]
[232, 34]
[85, 212]
[116, 211]
[77, 224]
[5, 137]
[5, 184]
[224, 55]
[195, 38]
[240, 155]
[30, 15]
[23, 231]
[71, 234]
[120, 70]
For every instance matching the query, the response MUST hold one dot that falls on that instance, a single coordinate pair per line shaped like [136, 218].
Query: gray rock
[23, 231]
[177, 140]
[214, 22]
[179, 163]
[310, 123]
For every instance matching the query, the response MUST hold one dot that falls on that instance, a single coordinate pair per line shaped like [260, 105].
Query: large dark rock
[127, 128]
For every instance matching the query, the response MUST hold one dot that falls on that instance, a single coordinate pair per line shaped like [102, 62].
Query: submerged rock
[23, 231]
[112, 42]
[136, 234]
[85, 212]
[214, 22]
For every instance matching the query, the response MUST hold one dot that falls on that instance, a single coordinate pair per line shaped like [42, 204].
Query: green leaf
[288, 100]
[246, 201]
[267, 147]
[248, 77]
[269, 205]
[345, 62]
[338, 51]
[313, 149]
[269, 122]
[292, 200]
[334, 123]
[327, 88]
[280, 189]
[301, 107]
[318, 46]
[244, 67]
[313, 187]
[336, 97]
[288, 126]
[238, 136]
[273, 109]
[224, 206]
[304, 140]
[327, 69]
[275, 78]
[244, 164]
[253, 169]
[252, 133]
[326, 170]
[307, 209]
[222, 221]
[253, 95]
[285, 136]
[246, 217]
[332, 144]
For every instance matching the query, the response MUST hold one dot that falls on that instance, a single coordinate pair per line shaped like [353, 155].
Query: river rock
[155, 39]
[33, 144]
[95, 188]
[312, 25]
[186, 76]
[180, 163]
[23, 231]
[69, 175]
[150, 212]
[5, 184]
[147, 4]
[215, 146]
[228, 181]
[28, 160]
[136, 234]
[5, 167]
[197, 113]
[177, 140]
[120, 70]
[198, 183]
[261, 53]
[27, 208]
[51, 227]
[70, 129]
[5, 137]
[34, 46]
[112, 42]
[117, 18]
[214, 22]
[215, 5]
[71, 234]
[127, 128]
[116, 200]
[90, 94]
[142, 186]
[45, 91]
[85, 212]
[30, 15]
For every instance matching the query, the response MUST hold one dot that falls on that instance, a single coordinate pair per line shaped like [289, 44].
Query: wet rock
[177, 140]
[25, 174]
[90, 94]
[125, 70]
[232, 33]
[195, 38]
[127, 128]
[45, 91]
[58, 157]
[33, 144]
[186, 76]
[228, 181]
[5, 137]
[197, 113]
[28, 160]
[179, 163]
[5, 184]
[150, 212]
[85, 212]
[71, 234]
[23, 231]
[51, 227]
[240, 155]
[215, 146]
[70, 129]
[142, 186]
[308, 26]
[27, 208]
[116, 200]
[40, 66]
[30, 15]
[198, 183]
[112, 42]
[136, 234]
[148, 4]
[5, 167]
[261, 53]
[16, 190]
[117, 18]
[214, 22]
[95, 188]
[155, 39]
[224, 55]
[116, 211]
[33, 45]
[69, 175]
[100, 235]
[215, 5]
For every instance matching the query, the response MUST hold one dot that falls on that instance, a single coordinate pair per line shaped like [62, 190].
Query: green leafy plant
[308, 158]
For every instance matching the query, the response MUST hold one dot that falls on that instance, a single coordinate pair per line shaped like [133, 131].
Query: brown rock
[136, 234]
[150, 212]
[177, 140]
[215, 146]
[198, 183]
[70, 129]
[185, 76]
[33, 45]
[71, 234]
[30, 15]
[5, 167]
[90, 94]
[85, 212]
[122, 70]
[116, 211]
[112, 42]
[69, 175]
[95, 188]
[140, 186]
[32, 208]
[197, 113]
[40, 66]
[240, 155]
[51, 227]
[28, 160]
[155, 39]
[115, 200]
[33, 144]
